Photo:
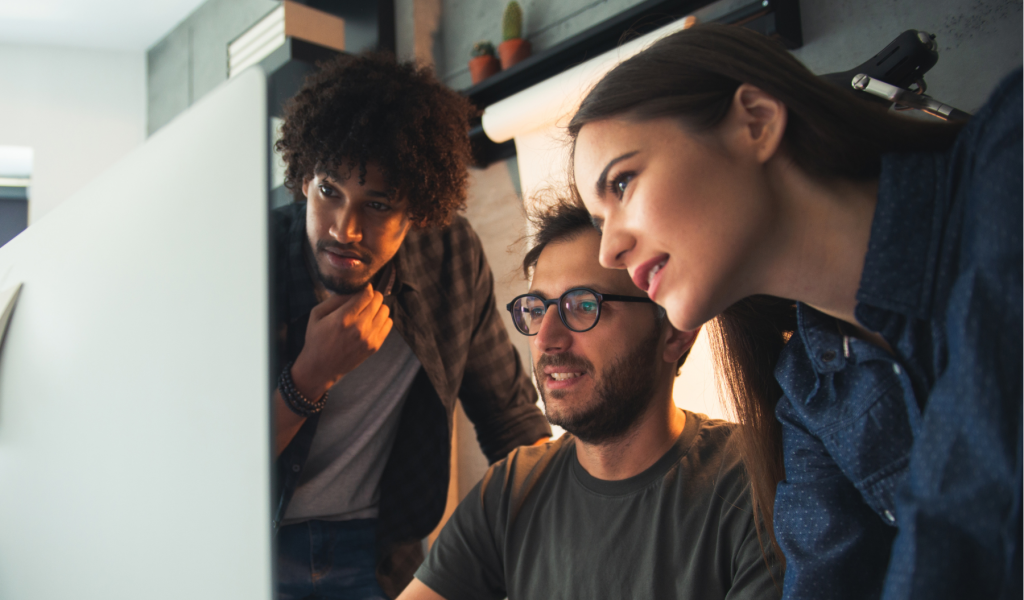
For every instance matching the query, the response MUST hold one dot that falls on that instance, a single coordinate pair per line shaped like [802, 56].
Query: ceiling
[108, 24]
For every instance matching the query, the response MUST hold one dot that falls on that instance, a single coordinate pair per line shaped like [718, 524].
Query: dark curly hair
[369, 108]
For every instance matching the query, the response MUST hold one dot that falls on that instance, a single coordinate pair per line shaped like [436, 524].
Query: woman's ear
[678, 343]
[757, 122]
[305, 186]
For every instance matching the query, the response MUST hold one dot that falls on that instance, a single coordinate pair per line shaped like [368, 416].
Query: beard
[622, 393]
[343, 286]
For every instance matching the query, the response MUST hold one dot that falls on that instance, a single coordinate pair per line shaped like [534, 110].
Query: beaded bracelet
[298, 403]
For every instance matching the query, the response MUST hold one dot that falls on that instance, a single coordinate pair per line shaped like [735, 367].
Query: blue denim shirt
[903, 472]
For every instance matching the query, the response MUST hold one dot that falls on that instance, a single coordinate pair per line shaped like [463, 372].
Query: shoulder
[985, 180]
[459, 232]
[714, 458]
[284, 217]
[716, 438]
[450, 260]
[526, 466]
[285, 220]
[442, 249]
[986, 158]
[508, 483]
[1000, 116]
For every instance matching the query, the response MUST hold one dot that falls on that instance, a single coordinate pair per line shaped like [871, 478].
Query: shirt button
[889, 516]
[296, 468]
[896, 369]
[828, 356]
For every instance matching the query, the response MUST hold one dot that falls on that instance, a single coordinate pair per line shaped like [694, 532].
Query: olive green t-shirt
[539, 526]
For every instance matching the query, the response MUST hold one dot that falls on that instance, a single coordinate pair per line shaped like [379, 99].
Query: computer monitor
[134, 375]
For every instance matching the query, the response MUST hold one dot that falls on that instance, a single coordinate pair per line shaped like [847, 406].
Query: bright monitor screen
[134, 414]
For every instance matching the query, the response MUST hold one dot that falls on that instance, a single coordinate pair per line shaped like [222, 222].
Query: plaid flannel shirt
[442, 303]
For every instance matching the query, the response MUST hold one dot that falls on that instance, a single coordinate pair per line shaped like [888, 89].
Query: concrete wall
[79, 110]
[545, 23]
[192, 59]
[979, 40]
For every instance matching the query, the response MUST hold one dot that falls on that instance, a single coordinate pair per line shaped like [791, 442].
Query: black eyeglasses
[579, 309]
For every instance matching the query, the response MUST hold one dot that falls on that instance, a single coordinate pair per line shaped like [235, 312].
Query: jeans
[328, 559]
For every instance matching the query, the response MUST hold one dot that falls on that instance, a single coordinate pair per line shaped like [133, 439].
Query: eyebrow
[602, 180]
[333, 178]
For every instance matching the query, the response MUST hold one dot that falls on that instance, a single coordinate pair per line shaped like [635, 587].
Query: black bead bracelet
[298, 403]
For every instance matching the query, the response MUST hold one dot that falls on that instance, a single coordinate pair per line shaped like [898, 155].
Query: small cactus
[512, 21]
[482, 48]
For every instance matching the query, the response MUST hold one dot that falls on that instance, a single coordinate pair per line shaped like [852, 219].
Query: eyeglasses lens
[528, 312]
[580, 308]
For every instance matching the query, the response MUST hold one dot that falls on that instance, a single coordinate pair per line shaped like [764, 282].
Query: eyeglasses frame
[601, 299]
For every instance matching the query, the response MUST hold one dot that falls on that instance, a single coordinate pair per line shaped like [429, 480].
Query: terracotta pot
[482, 67]
[513, 51]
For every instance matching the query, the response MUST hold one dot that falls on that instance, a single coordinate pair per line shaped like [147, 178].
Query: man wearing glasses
[639, 499]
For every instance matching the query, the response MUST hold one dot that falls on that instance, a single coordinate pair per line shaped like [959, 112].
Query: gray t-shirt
[357, 429]
[539, 526]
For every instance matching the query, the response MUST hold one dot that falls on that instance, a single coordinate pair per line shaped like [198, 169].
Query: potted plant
[483, 63]
[514, 48]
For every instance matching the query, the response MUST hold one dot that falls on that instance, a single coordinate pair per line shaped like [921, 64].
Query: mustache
[563, 360]
[364, 256]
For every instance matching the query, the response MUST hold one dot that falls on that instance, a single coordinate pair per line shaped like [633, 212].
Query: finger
[381, 332]
[371, 308]
[326, 307]
[378, 319]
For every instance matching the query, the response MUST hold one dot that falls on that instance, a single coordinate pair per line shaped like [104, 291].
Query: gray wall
[979, 40]
[545, 23]
[192, 59]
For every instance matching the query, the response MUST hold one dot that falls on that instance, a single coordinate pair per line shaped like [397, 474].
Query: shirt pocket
[871, 436]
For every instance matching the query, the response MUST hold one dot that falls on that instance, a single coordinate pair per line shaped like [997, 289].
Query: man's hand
[341, 334]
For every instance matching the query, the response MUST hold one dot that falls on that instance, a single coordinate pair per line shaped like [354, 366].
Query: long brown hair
[830, 134]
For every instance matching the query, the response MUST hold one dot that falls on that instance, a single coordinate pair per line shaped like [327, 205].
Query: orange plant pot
[513, 51]
[482, 67]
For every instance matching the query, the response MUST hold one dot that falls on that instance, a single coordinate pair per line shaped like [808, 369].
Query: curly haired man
[386, 315]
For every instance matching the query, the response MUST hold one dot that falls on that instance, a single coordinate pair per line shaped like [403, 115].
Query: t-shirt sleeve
[466, 561]
[747, 572]
[752, 580]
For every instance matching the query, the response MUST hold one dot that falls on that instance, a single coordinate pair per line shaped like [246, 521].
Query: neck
[817, 253]
[639, 448]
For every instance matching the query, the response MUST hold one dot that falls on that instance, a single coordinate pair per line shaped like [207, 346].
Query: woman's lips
[646, 276]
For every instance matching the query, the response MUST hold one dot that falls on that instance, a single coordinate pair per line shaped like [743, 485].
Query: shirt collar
[827, 347]
[906, 231]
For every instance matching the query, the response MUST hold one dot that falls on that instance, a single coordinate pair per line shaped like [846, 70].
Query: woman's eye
[621, 183]
[326, 190]
[379, 206]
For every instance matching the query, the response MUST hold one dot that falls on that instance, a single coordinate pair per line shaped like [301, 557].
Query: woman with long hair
[861, 273]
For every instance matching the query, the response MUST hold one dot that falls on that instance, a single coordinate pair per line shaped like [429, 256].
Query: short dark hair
[564, 221]
[368, 108]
